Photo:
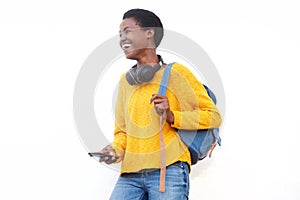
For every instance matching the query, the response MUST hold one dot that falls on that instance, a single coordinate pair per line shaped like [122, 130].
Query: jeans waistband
[143, 171]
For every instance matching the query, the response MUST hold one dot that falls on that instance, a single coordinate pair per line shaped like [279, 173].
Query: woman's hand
[112, 156]
[161, 105]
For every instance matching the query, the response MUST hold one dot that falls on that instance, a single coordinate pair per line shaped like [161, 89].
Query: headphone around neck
[142, 74]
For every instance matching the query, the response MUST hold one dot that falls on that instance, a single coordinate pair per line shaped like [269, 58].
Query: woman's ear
[150, 33]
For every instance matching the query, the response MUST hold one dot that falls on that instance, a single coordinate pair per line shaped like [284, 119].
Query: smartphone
[101, 155]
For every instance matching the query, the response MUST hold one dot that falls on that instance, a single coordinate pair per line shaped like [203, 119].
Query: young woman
[150, 169]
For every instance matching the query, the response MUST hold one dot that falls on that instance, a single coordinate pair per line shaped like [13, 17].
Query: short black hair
[146, 19]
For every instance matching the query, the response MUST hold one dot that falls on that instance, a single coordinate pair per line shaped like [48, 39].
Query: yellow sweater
[136, 134]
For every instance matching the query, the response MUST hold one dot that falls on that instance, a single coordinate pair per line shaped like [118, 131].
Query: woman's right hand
[112, 156]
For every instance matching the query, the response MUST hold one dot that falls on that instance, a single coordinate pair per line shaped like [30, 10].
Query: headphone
[142, 74]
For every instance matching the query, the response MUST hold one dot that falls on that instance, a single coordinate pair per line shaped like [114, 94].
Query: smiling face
[134, 40]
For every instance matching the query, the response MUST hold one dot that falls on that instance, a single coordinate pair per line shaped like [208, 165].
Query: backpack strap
[165, 80]
[162, 91]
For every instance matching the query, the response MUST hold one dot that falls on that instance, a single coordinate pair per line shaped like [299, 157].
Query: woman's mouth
[126, 46]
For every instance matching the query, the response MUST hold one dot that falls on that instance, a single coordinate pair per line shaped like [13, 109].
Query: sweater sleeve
[120, 137]
[202, 112]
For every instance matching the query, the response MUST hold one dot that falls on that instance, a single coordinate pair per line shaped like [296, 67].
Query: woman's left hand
[161, 104]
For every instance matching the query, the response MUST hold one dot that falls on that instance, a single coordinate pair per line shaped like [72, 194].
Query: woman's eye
[125, 32]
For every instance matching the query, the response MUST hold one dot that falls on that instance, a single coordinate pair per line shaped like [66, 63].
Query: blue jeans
[145, 185]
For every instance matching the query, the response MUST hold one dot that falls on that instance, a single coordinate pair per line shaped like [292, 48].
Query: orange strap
[212, 148]
[162, 158]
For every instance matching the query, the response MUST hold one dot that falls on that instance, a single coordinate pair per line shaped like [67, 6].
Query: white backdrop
[254, 45]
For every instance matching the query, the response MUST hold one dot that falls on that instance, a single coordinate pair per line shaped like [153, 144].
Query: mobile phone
[101, 155]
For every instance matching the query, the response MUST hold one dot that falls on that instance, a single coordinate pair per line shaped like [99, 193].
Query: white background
[254, 45]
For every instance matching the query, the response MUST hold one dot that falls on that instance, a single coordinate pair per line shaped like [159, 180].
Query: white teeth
[125, 46]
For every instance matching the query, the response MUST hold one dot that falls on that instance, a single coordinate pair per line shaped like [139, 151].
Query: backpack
[199, 142]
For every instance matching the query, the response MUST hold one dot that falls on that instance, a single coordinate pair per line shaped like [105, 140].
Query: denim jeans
[145, 185]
